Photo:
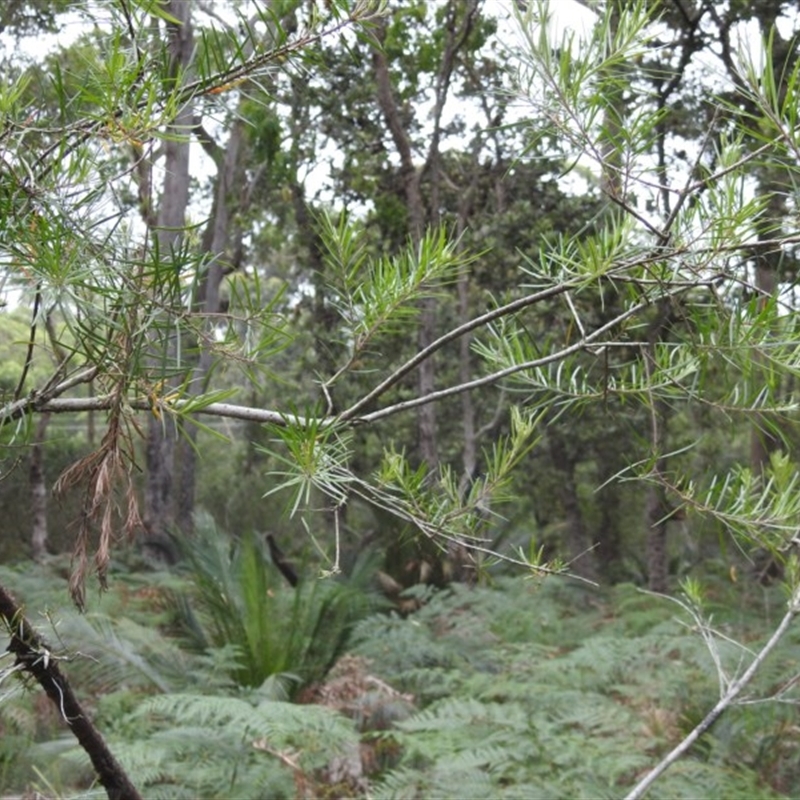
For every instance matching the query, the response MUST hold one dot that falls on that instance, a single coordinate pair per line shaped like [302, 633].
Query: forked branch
[733, 690]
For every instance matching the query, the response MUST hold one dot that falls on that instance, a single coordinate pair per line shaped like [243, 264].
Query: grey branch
[228, 410]
[725, 701]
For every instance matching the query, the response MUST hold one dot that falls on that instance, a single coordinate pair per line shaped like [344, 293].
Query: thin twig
[733, 690]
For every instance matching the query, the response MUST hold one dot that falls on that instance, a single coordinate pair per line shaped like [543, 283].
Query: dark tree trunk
[657, 506]
[609, 545]
[579, 547]
[657, 554]
[458, 21]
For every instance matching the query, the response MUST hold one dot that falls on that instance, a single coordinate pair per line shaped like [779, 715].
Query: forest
[398, 399]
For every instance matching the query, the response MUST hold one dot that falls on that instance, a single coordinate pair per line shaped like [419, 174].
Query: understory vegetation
[517, 689]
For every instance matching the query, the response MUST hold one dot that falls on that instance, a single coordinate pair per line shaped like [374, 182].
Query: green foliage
[240, 600]
[548, 690]
[533, 689]
[217, 747]
[384, 296]
[632, 299]
[247, 745]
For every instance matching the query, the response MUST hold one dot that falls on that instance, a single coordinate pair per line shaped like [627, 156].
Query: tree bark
[217, 244]
[609, 544]
[457, 31]
[410, 177]
[581, 555]
[763, 442]
[657, 508]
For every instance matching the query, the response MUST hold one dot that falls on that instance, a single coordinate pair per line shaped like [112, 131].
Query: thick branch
[35, 400]
[485, 319]
[228, 410]
[494, 377]
[251, 414]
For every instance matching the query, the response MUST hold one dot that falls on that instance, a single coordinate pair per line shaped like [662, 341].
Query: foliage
[249, 746]
[469, 313]
[577, 702]
[239, 600]
[523, 688]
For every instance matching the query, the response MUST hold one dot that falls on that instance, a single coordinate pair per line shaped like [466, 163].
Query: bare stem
[725, 702]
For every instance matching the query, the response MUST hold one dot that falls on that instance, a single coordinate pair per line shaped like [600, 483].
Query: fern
[527, 719]
[317, 727]
[221, 747]
[522, 690]
[440, 784]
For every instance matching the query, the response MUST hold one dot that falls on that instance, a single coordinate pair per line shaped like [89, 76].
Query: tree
[637, 310]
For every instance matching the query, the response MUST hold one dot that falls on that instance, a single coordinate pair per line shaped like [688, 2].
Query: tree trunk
[763, 441]
[609, 545]
[410, 178]
[579, 547]
[657, 553]
[160, 449]
[458, 22]
[38, 484]
[657, 506]
[217, 244]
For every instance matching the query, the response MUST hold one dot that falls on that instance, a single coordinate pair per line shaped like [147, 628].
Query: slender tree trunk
[609, 545]
[657, 507]
[657, 553]
[581, 555]
[763, 442]
[171, 218]
[325, 315]
[410, 177]
[217, 244]
[458, 22]
[38, 485]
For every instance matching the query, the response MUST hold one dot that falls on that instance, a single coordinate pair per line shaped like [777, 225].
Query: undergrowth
[551, 691]
[520, 690]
